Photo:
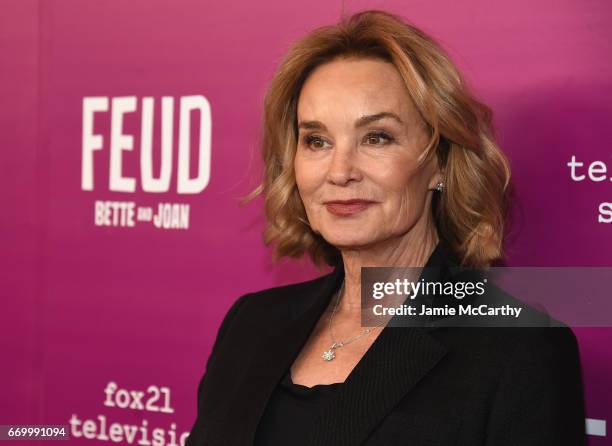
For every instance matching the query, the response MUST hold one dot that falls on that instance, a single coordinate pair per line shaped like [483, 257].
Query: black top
[290, 413]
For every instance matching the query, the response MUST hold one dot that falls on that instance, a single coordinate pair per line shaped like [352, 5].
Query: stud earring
[440, 186]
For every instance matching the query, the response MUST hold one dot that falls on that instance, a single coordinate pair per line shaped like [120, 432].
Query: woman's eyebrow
[364, 120]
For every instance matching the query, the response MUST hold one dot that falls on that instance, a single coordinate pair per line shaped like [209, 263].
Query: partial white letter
[119, 143]
[150, 183]
[186, 185]
[90, 142]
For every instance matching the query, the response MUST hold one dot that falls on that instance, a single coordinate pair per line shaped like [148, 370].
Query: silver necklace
[328, 355]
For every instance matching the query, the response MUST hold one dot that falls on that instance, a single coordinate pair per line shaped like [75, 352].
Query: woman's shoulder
[507, 324]
[529, 351]
[257, 311]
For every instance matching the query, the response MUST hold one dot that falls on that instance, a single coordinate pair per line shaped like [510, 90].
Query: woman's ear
[437, 178]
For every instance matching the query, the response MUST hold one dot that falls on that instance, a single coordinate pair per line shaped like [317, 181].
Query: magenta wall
[87, 304]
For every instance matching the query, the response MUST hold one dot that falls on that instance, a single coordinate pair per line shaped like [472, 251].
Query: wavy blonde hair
[471, 211]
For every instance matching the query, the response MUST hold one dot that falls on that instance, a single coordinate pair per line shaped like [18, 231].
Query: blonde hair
[471, 211]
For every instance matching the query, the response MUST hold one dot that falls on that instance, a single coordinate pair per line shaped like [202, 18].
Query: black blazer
[415, 386]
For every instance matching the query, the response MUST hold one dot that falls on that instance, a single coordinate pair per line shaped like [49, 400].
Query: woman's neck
[413, 249]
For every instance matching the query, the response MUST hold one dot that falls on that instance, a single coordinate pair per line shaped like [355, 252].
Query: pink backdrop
[88, 304]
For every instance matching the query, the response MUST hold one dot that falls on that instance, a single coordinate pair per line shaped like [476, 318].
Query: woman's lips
[347, 208]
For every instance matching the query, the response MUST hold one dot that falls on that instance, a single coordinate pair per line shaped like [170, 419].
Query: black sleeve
[195, 433]
[539, 399]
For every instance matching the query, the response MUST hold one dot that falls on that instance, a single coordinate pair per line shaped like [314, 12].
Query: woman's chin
[348, 241]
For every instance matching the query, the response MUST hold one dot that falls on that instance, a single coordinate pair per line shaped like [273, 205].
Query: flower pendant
[329, 354]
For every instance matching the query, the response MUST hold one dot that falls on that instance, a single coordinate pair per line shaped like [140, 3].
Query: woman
[376, 154]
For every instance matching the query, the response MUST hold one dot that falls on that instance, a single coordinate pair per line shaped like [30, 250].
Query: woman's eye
[376, 137]
[313, 142]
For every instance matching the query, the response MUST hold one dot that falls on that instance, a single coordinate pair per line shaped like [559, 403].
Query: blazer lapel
[376, 385]
[390, 368]
[274, 356]
[394, 363]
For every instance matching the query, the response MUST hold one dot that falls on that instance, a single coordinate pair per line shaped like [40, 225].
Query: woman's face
[360, 136]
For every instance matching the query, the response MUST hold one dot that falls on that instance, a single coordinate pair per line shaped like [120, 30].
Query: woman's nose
[343, 165]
